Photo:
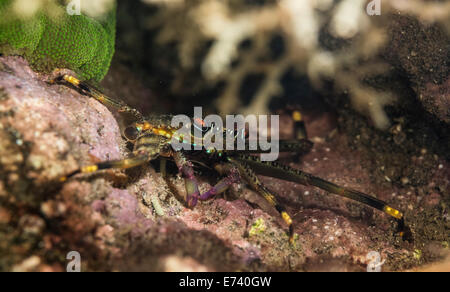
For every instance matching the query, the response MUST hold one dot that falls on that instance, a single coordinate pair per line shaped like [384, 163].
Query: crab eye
[131, 133]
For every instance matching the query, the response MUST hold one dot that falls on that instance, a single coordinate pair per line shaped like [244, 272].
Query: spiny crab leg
[287, 173]
[249, 176]
[117, 164]
[105, 100]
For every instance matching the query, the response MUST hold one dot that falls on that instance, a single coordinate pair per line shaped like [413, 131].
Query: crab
[151, 139]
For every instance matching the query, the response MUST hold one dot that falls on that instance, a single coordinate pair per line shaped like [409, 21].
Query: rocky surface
[422, 51]
[136, 220]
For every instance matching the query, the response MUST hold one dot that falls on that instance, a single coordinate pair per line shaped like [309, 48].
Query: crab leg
[287, 173]
[116, 164]
[105, 100]
[301, 146]
[248, 174]
[299, 125]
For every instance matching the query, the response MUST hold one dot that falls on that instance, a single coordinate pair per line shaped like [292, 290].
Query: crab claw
[192, 200]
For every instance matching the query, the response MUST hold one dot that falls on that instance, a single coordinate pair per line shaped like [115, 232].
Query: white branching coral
[94, 9]
[216, 21]
[349, 18]
[427, 11]
[303, 24]
[300, 23]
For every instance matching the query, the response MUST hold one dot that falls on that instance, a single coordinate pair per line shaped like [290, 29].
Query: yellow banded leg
[393, 212]
[299, 125]
[403, 231]
[258, 186]
[356, 196]
[117, 164]
[105, 100]
[287, 173]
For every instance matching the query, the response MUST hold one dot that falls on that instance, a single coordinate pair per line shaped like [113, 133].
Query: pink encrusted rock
[48, 131]
[122, 207]
[56, 120]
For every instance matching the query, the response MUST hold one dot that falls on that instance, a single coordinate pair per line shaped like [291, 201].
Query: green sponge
[54, 39]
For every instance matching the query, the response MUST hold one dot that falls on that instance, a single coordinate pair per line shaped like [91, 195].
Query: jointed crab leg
[105, 100]
[248, 174]
[299, 125]
[191, 183]
[296, 146]
[287, 173]
[301, 146]
[118, 164]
